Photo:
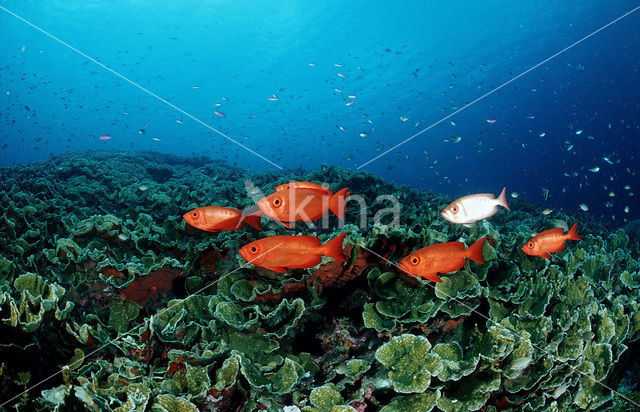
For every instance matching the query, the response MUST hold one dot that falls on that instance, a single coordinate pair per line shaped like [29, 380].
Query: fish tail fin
[573, 232]
[333, 248]
[474, 252]
[254, 221]
[502, 199]
[337, 202]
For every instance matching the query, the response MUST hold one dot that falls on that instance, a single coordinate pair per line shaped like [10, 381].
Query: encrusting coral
[102, 280]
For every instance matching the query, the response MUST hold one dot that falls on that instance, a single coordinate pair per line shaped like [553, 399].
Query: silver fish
[469, 209]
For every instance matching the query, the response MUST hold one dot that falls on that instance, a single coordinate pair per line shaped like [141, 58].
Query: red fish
[278, 253]
[292, 205]
[216, 218]
[550, 241]
[305, 185]
[441, 258]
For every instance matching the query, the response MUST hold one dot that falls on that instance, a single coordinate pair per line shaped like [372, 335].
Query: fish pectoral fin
[279, 269]
[435, 278]
[546, 255]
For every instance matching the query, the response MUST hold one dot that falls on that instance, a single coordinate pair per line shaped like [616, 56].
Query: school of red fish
[307, 201]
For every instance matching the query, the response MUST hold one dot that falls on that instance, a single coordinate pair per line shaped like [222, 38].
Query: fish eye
[276, 202]
[454, 209]
[530, 245]
[414, 260]
[195, 214]
[254, 249]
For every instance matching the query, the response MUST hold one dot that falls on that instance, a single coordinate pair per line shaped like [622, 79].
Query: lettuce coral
[138, 311]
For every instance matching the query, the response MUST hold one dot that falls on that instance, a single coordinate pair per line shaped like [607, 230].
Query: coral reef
[104, 285]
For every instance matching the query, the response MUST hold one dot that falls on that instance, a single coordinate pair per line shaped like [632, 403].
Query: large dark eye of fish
[194, 214]
[415, 260]
[254, 249]
[277, 202]
[454, 209]
[530, 245]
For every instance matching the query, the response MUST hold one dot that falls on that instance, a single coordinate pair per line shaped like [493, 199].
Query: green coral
[455, 364]
[325, 398]
[37, 297]
[532, 333]
[423, 402]
[170, 403]
[410, 362]
[121, 313]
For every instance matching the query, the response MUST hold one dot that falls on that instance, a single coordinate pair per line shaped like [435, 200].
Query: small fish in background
[441, 258]
[217, 218]
[469, 209]
[218, 113]
[519, 364]
[560, 223]
[547, 212]
[491, 120]
[105, 137]
[253, 191]
[550, 241]
[273, 98]
[279, 253]
[546, 193]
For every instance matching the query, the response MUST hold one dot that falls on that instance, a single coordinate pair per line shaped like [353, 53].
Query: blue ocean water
[334, 82]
